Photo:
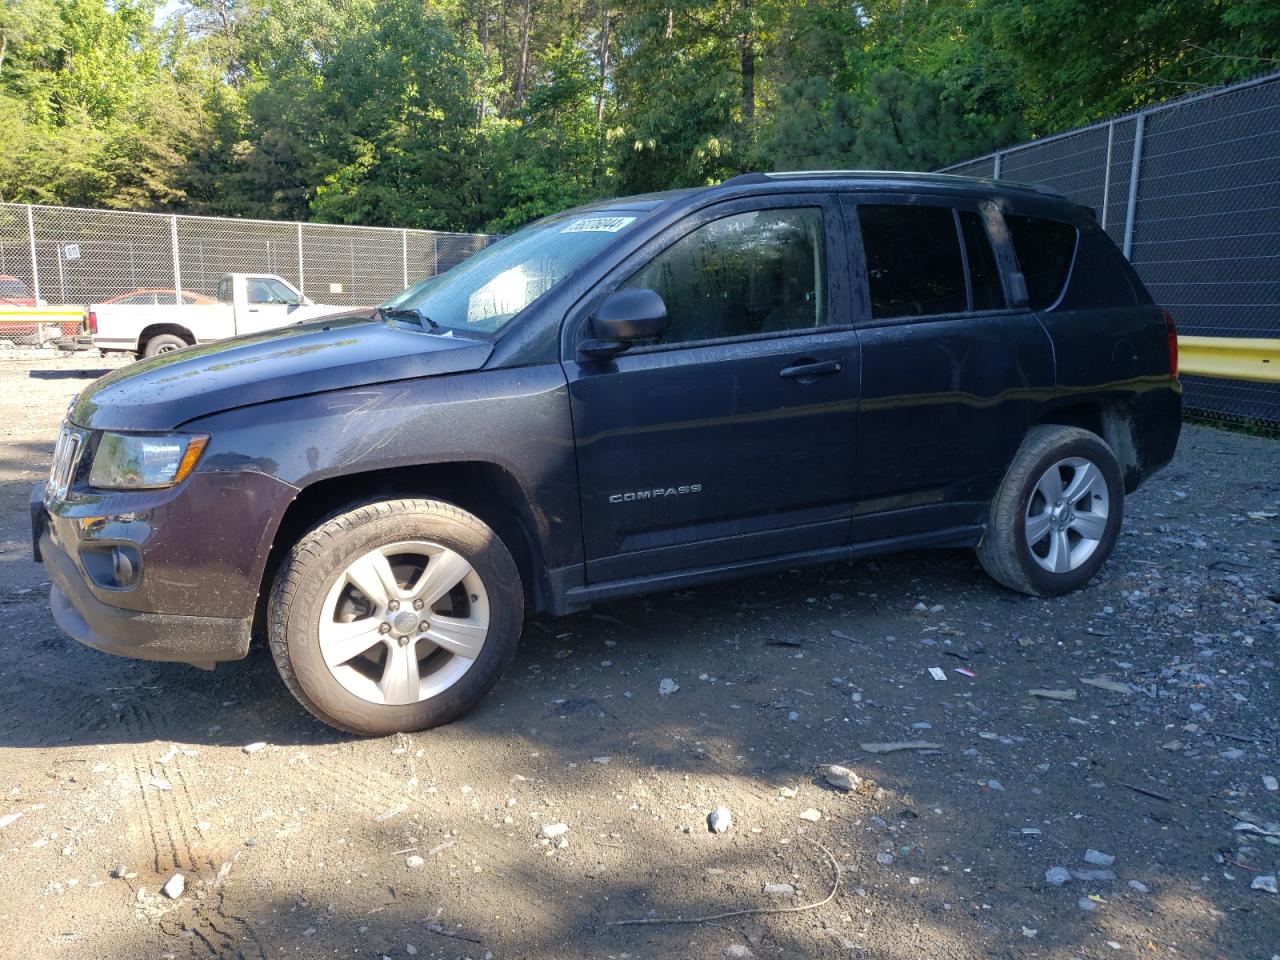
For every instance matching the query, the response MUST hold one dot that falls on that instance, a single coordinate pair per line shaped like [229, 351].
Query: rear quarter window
[1102, 277]
[1045, 249]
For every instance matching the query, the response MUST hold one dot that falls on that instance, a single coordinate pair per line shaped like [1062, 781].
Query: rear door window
[914, 267]
[1045, 249]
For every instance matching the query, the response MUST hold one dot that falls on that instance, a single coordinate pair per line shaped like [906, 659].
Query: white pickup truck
[247, 303]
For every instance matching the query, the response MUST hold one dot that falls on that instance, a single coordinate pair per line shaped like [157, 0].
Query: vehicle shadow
[55, 692]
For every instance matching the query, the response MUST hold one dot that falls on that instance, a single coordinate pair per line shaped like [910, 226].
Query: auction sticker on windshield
[598, 225]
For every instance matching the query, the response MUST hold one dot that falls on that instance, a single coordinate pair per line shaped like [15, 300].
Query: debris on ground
[900, 745]
[1104, 683]
[254, 747]
[1057, 876]
[1068, 694]
[720, 819]
[667, 686]
[1098, 858]
[174, 886]
[842, 778]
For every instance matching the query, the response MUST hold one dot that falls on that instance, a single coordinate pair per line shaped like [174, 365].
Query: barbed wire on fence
[1190, 189]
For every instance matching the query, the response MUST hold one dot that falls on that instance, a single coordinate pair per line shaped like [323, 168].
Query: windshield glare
[482, 293]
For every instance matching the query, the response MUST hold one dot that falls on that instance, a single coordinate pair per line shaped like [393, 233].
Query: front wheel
[395, 616]
[1056, 517]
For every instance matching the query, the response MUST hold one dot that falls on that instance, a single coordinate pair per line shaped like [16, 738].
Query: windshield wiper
[407, 313]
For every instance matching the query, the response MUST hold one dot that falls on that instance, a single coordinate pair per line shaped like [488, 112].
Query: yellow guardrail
[1232, 358]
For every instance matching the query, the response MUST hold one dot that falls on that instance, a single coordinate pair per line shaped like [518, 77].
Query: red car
[14, 293]
[158, 297]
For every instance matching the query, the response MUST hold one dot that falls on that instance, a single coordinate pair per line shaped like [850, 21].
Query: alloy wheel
[1067, 514]
[403, 622]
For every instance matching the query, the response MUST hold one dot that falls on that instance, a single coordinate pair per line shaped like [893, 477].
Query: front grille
[66, 454]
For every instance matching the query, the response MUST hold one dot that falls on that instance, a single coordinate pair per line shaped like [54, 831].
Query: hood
[331, 354]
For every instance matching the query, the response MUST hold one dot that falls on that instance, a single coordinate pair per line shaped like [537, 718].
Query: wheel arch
[1114, 421]
[482, 488]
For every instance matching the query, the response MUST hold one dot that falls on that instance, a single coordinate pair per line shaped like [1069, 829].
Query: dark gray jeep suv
[637, 395]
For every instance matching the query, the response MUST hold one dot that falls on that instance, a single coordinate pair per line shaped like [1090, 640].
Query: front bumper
[130, 633]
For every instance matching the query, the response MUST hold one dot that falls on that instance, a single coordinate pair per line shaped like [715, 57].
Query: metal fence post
[1133, 184]
[302, 271]
[1106, 176]
[31, 239]
[177, 266]
[404, 256]
[995, 170]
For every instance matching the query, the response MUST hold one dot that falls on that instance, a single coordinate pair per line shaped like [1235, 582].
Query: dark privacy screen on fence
[1190, 189]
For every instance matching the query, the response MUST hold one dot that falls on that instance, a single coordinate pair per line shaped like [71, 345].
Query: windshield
[481, 294]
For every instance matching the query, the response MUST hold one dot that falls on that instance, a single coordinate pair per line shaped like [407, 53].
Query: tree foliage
[484, 114]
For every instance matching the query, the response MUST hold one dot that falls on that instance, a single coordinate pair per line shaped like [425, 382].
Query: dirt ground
[321, 845]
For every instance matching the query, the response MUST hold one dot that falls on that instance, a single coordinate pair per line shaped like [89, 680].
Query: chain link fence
[1190, 190]
[67, 255]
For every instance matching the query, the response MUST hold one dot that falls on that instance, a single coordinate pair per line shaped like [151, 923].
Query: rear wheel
[1055, 519]
[163, 343]
[395, 616]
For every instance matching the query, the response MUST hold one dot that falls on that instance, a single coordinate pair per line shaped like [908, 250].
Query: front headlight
[127, 461]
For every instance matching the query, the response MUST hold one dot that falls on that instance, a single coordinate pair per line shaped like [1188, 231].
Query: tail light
[1171, 332]
[93, 322]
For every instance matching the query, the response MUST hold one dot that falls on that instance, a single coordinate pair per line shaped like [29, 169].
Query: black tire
[1004, 552]
[312, 566]
[163, 343]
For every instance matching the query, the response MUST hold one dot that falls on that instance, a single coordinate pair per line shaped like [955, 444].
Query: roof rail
[744, 179]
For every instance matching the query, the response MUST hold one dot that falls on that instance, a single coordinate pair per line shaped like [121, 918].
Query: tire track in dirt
[172, 834]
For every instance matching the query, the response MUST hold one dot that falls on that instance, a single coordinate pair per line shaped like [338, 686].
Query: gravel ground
[319, 845]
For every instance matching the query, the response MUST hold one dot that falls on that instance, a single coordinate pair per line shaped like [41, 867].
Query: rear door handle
[803, 369]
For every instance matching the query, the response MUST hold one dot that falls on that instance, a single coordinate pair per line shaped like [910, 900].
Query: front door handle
[804, 369]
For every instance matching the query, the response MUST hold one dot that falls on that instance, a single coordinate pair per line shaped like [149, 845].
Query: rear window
[1045, 249]
[914, 266]
[12, 288]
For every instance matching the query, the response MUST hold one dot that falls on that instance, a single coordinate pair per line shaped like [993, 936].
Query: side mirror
[626, 317]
